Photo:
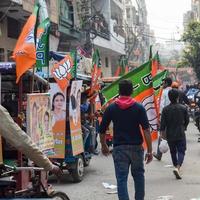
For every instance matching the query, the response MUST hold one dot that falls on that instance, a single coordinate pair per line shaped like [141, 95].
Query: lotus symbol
[63, 70]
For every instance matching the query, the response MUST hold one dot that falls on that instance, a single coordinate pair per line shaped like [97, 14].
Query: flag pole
[33, 79]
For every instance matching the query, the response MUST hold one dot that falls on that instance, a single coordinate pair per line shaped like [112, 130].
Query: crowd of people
[127, 117]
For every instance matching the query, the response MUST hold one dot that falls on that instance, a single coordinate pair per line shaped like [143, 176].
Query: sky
[166, 17]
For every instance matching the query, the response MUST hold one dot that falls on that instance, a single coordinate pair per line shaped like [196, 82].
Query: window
[66, 10]
[106, 62]
[2, 55]
[9, 54]
[13, 28]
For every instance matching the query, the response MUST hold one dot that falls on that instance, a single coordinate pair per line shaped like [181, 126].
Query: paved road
[160, 180]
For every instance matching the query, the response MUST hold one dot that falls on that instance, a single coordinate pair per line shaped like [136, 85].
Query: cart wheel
[58, 195]
[78, 172]
[87, 162]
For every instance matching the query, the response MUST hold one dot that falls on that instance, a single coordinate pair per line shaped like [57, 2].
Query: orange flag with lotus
[24, 53]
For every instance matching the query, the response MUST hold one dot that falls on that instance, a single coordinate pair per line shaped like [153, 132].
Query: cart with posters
[75, 138]
[19, 101]
[73, 151]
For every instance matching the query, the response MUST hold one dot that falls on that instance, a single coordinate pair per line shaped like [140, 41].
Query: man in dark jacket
[174, 122]
[127, 117]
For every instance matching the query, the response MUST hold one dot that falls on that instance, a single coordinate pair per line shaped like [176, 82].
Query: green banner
[140, 77]
[42, 49]
[157, 81]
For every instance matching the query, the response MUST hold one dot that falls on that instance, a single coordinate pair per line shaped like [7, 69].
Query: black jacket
[174, 121]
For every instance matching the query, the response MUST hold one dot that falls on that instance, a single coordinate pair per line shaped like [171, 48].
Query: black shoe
[177, 173]
[156, 156]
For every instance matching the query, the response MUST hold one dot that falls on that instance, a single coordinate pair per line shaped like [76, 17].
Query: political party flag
[122, 67]
[143, 92]
[96, 72]
[73, 55]
[63, 72]
[42, 45]
[157, 86]
[155, 64]
[24, 53]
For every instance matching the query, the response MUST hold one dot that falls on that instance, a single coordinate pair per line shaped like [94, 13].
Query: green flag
[42, 47]
[157, 81]
[157, 86]
[142, 91]
[141, 78]
[73, 71]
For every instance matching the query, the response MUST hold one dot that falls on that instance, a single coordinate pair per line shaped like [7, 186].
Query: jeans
[177, 151]
[126, 156]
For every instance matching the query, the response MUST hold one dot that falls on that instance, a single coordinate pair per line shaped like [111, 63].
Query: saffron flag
[143, 92]
[157, 86]
[62, 72]
[122, 67]
[155, 64]
[96, 72]
[42, 46]
[24, 53]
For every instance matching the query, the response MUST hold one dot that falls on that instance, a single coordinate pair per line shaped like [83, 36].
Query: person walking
[174, 122]
[127, 116]
[164, 101]
[182, 99]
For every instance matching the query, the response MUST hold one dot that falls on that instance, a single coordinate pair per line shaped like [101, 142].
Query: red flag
[24, 53]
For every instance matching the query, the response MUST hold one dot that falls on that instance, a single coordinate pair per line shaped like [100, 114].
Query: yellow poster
[1, 153]
[39, 122]
[58, 112]
[75, 118]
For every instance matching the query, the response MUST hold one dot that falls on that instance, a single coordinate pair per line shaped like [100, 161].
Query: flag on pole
[157, 86]
[24, 53]
[150, 52]
[155, 64]
[42, 45]
[73, 55]
[96, 72]
[63, 72]
[122, 67]
[143, 92]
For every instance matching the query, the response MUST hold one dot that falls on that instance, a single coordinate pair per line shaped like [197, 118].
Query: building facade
[115, 27]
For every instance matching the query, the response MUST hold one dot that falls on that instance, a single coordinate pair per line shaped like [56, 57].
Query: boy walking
[174, 122]
[127, 117]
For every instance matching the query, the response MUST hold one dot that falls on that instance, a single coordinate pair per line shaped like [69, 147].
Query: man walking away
[127, 117]
[164, 101]
[174, 122]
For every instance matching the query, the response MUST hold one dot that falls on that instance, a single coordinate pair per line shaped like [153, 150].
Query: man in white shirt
[164, 101]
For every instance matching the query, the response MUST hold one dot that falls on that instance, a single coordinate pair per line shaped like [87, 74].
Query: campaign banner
[39, 124]
[1, 154]
[75, 117]
[58, 112]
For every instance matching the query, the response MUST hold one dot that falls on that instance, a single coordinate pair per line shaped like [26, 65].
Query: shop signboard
[58, 112]
[39, 122]
[75, 118]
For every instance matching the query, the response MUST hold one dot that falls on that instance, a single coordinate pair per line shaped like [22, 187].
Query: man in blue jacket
[128, 117]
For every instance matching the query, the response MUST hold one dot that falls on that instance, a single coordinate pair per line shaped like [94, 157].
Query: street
[160, 180]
